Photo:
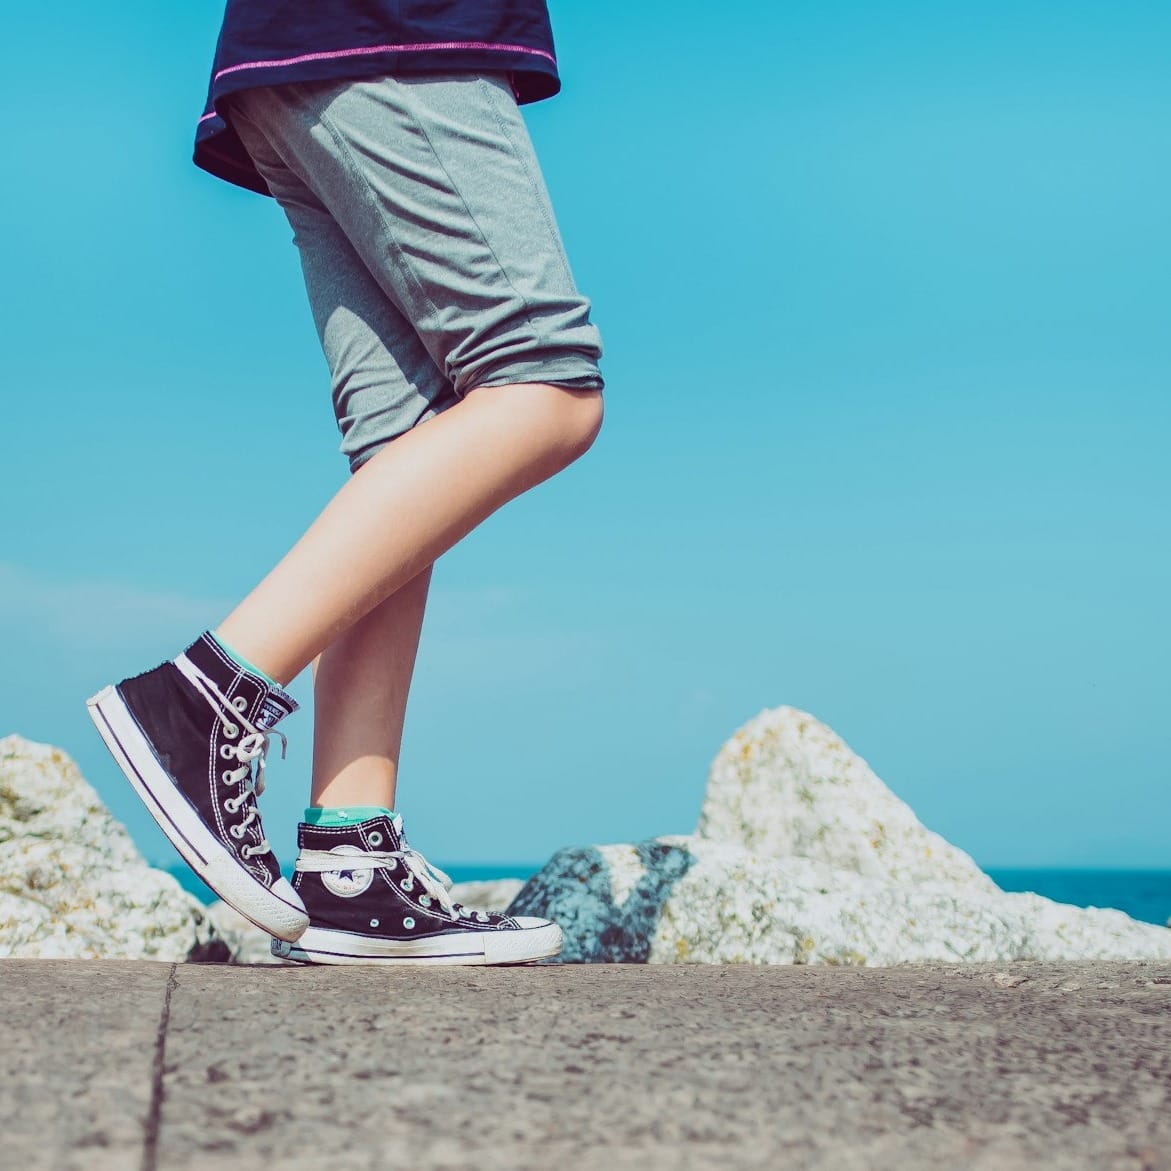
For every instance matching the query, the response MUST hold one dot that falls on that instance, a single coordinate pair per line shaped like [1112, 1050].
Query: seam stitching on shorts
[351, 165]
[536, 187]
[537, 336]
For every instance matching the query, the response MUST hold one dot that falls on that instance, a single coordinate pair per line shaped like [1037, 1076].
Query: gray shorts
[429, 246]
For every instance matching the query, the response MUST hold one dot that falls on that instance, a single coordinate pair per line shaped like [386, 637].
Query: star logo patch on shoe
[347, 884]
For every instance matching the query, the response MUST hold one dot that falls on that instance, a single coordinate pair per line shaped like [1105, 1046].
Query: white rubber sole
[523, 945]
[277, 910]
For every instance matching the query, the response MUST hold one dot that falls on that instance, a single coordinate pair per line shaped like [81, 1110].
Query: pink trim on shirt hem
[366, 51]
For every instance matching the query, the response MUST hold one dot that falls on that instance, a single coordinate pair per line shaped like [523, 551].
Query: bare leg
[410, 503]
[361, 682]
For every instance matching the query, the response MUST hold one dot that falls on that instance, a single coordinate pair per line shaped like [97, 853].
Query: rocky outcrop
[803, 855]
[72, 883]
[786, 786]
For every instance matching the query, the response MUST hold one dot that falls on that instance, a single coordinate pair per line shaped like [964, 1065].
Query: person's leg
[360, 686]
[383, 383]
[434, 183]
[399, 512]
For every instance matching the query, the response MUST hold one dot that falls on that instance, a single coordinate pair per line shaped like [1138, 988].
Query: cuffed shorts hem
[574, 375]
[361, 449]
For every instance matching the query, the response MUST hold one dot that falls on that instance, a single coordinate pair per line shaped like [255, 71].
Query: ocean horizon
[1143, 894]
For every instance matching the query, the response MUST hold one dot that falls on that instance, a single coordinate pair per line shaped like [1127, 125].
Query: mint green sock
[350, 815]
[238, 658]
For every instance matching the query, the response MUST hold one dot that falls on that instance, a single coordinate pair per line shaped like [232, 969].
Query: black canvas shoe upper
[388, 889]
[208, 721]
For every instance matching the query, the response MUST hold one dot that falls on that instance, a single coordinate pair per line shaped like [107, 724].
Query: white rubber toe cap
[289, 919]
[535, 939]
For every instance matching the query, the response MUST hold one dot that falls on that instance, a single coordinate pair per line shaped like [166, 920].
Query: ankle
[243, 662]
[353, 779]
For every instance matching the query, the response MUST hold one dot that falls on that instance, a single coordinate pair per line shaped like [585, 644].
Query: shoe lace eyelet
[375, 838]
[408, 923]
[240, 703]
[237, 831]
[373, 922]
[231, 731]
[227, 751]
[407, 884]
[425, 900]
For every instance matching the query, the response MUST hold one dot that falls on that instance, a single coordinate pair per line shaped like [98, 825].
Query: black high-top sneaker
[373, 900]
[191, 737]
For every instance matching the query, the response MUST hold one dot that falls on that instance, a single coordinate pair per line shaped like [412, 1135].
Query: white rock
[72, 883]
[805, 856]
[787, 785]
[708, 902]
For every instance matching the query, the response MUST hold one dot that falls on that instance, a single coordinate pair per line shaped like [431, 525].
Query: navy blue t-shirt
[266, 42]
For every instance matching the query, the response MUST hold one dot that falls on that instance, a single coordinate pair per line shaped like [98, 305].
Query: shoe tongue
[274, 707]
[397, 837]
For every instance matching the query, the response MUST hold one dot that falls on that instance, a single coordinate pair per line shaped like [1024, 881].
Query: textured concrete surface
[140, 1065]
[80, 1040]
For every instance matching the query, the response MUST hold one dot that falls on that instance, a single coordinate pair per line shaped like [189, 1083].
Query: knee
[559, 423]
[580, 420]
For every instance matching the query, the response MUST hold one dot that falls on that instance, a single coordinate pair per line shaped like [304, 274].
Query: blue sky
[884, 291]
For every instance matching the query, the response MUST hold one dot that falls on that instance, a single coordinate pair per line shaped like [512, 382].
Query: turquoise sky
[884, 290]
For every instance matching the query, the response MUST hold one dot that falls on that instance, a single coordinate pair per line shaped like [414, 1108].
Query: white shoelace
[434, 882]
[252, 746]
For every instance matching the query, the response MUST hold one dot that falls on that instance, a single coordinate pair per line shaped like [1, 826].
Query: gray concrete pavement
[134, 1065]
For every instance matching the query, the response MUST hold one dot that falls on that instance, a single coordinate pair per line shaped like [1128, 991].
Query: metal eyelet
[237, 831]
[392, 864]
[227, 777]
[408, 923]
[227, 751]
[375, 838]
[373, 922]
[240, 703]
[407, 884]
[425, 900]
[231, 731]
